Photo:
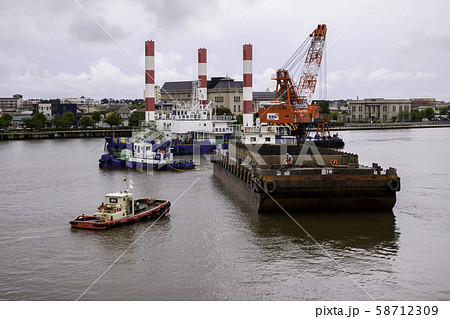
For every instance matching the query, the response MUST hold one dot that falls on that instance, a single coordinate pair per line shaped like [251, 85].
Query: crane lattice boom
[310, 70]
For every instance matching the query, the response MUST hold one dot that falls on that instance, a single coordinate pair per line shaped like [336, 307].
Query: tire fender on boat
[393, 184]
[270, 186]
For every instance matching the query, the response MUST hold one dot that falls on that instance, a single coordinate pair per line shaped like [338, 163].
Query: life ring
[270, 186]
[393, 184]
[333, 162]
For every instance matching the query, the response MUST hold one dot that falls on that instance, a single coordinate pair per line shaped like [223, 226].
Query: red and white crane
[293, 99]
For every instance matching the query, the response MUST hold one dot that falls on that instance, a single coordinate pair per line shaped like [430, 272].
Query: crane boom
[292, 106]
[310, 70]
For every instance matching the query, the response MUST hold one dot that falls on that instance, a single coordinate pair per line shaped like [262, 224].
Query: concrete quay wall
[27, 135]
[388, 126]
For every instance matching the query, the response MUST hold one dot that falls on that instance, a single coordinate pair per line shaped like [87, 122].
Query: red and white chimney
[202, 91]
[149, 81]
[248, 86]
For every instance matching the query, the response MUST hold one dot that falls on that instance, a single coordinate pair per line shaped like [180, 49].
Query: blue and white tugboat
[142, 155]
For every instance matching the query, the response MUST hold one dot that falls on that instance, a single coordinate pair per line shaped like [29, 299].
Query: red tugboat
[120, 209]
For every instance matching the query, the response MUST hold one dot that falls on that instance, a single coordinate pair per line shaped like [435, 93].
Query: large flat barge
[271, 178]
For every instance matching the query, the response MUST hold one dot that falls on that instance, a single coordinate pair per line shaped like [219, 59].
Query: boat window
[113, 200]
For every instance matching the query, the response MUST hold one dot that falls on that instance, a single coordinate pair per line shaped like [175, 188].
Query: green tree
[63, 121]
[135, 118]
[68, 118]
[334, 116]
[223, 111]
[429, 113]
[403, 116]
[37, 121]
[86, 121]
[5, 121]
[137, 105]
[239, 119]
[113, 119]
[444, 110]
[422, 114]
[96, 117]
[57, 121]
[415, 115]
[324, 105]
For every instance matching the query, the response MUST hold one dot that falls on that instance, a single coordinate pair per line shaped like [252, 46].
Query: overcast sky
[384, 48]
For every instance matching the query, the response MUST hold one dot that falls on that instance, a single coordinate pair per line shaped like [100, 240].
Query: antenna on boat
[125, 180]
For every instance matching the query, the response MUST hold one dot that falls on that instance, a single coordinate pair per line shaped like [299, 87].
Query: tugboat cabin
[116, 206]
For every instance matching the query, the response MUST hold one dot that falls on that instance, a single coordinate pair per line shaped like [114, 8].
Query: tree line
[39, 121]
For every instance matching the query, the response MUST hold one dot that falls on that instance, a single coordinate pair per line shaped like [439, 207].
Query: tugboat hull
[152, 211]
[106, 161]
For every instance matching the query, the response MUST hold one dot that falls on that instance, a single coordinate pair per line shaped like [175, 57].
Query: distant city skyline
[375, 48]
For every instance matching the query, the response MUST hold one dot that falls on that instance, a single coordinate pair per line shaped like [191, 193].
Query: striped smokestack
[149, 81]
[202, 91]
[248, 90]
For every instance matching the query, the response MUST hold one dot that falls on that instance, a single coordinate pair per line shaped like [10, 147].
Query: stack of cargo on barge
[297, 178]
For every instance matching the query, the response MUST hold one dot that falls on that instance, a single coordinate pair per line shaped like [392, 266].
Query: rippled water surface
[211, 247]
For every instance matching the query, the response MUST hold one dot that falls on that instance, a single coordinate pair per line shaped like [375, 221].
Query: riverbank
[126, 132]
[29, 135]
[388, 126]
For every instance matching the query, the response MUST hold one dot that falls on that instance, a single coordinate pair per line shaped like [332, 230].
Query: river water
[211, 246]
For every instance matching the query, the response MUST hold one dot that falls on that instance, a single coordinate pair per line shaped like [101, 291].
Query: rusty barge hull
[301, 189]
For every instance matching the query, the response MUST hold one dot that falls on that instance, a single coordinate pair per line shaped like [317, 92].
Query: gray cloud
[50, 48]
[86, 30]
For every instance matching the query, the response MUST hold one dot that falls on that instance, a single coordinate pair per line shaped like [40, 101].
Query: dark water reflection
[340, 230]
